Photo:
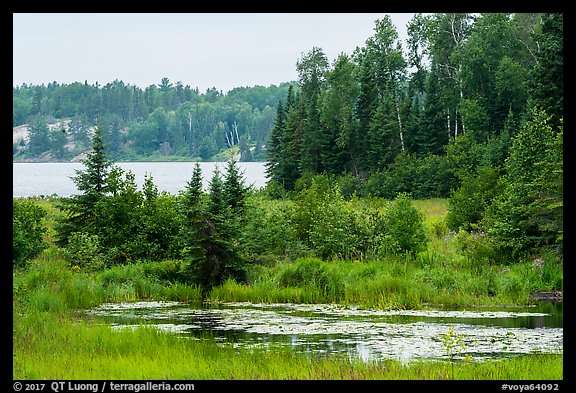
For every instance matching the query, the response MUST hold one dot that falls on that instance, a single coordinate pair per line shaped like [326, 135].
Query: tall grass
[49, 284]
[412, 282]
[47, 346]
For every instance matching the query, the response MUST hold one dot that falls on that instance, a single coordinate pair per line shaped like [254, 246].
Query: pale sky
[204, 50]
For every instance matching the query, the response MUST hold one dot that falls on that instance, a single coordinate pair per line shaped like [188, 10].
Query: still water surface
[34, 179]
[323, 329]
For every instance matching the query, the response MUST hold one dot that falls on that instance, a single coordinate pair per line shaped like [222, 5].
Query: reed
[50, 284]
[408, 283]
[52, 347]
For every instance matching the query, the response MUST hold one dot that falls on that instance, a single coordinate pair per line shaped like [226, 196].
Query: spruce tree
[234, 188]
[528, 214]
[366, 106]
[285, 149]
[213, 258]
[80, 209]
[216, 201]
[275, 155]
[547, 76]
[191, 197]
[293, 140]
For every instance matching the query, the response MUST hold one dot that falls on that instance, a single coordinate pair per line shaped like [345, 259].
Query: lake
[35, 179]
[324, 329]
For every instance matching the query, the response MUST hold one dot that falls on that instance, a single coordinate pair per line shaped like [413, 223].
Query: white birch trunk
[448, 124]
[399, 120]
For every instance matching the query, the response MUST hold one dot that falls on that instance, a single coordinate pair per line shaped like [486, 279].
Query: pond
[324, 329]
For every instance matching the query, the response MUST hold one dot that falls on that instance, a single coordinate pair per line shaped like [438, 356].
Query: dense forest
[473, 112]
[461, 90]
[164, 121]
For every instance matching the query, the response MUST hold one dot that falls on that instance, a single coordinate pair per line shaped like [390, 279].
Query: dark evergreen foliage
[80, 209]
[547, 75]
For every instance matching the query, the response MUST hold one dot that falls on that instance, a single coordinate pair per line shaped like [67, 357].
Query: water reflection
[366, 334]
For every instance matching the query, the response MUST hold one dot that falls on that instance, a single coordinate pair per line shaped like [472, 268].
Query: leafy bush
[28, 229]
[269, 230]
[477, 246]
[329, 225]
[404, 227]
[83, 250]
[467, 205]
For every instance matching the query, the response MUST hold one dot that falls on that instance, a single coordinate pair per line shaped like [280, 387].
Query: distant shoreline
[36, 161]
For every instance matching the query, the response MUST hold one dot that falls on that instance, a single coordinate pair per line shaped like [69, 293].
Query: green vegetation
[51, 342]
[28, 230]
[401, 118]
[53, 348]
[164, 122]
[426, 281]
[387, 191]
[475, 126]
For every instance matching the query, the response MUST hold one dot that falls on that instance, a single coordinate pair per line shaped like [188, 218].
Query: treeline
[463, 80]
[472, 110]
[165, 120]
[210, 235]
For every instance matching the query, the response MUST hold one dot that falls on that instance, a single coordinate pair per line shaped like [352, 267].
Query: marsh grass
[50, 346]
[394, 283]
[51, 343]
[50, 284]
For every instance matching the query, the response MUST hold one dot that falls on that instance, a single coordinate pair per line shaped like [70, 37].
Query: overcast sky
[199, 49]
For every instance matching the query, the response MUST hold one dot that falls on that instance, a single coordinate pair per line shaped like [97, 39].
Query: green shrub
[331, 226]
[404, 227]
[478, 246]
[83, 250]
[269, 230]
[28, 230]
[467, 205]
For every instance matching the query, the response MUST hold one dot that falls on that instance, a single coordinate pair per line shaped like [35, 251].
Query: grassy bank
[48, 346]
[51, 342]
[393, 284]
[50, 284]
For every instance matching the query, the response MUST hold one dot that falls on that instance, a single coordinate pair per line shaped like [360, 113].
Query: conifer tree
[234, 189]
[547, 76]
[80, 209]
[274, 164]
[311, 69]
[216, 200]
[366, 106]
[528, 214]
[292, 139]
[192, 194]
[213, 257]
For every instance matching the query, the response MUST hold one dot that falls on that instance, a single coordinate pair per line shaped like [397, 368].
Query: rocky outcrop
[546, 296]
